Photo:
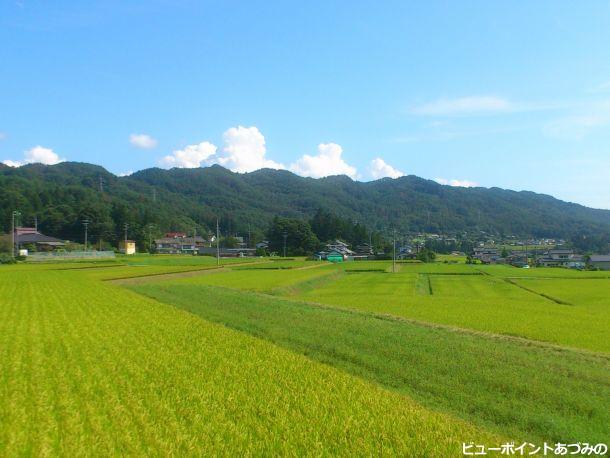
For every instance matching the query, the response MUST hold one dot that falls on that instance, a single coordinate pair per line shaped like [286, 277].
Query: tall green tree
[300, 239]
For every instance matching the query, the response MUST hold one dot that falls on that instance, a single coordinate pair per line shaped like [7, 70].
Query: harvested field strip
[308, 285]
[138, 280]
[455, 274]
[546, 296]
[494, 381]
[164, 273]
[91, 267]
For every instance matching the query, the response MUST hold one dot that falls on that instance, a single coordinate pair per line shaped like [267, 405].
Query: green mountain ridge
[62, 195]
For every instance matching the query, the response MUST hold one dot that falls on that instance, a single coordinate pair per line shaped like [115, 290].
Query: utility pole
[393, 250]
[285, 235]
[217, 243]
[15, 213]
[125, 226]
[248, 235]
[36, 223]
[86, 224]
[150, 226]
[194, 239]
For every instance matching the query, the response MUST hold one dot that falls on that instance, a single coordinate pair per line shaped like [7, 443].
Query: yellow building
[131, 246]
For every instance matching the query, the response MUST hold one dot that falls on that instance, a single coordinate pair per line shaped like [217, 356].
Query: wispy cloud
[605, 86]
[142, 141]
[447, 133]
[465, 106]
[581, 123]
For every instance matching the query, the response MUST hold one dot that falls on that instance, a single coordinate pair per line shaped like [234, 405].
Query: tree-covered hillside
[63, 195]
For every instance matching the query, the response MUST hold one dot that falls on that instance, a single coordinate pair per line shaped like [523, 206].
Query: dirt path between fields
[174, 275]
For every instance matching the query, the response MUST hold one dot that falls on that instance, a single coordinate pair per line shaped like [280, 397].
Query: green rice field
[170, 355]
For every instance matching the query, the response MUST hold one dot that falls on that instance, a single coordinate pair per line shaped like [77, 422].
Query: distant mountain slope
[62, 195]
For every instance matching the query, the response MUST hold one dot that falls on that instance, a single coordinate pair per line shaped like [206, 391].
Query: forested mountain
[62, 196]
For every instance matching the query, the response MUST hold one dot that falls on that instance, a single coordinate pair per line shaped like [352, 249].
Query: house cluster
[565, 258]
[181, 243]
[339, 251]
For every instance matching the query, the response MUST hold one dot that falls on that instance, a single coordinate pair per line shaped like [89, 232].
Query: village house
[331, 256]
[600, 261]
[487, 255]
[30, 237]
[339, 246]
[561, 258]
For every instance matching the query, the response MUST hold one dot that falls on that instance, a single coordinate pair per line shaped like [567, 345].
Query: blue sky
[508, 94]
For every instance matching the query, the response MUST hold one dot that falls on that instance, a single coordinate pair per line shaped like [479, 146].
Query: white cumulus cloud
[328, 161]
[244, 151]
[458, 183]
[474, 105]
[381, 169]
[38, 154]
[142, 141]
[189, 157]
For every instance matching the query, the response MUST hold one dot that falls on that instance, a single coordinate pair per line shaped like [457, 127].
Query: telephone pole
[86, 224]
[285, 235]
[150, 226]
[194, 239]
[125, 226]
[393, 250]
[15, 213]
[217, 243]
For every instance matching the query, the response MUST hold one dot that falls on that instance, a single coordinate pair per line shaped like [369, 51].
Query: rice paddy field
[170, 355]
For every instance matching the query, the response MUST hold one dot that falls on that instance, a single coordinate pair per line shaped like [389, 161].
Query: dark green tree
[300, 240]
